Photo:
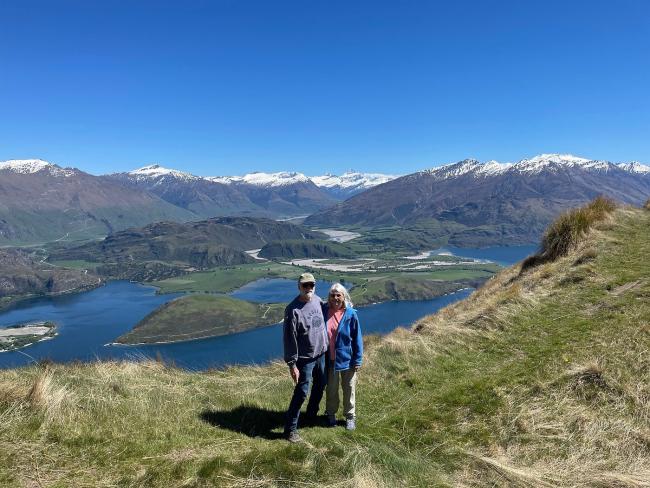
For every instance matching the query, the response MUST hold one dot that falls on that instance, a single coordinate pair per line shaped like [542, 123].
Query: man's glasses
[308, 285]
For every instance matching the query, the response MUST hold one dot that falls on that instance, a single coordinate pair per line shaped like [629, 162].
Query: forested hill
[541, 378]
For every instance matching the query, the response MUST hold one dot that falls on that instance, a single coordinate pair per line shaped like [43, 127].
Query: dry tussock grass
[571, 430]
[492, 306]
[48, 397]
[646, 206]
[568, 230]
[620, 480]
[12, 392]
[509, 293]
[497, 472]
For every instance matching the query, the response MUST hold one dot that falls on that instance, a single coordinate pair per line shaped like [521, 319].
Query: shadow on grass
[249, 420]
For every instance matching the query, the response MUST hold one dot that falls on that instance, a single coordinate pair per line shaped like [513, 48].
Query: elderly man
[305, 344]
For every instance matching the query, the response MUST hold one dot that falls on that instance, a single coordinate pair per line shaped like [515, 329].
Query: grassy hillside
[541, 378]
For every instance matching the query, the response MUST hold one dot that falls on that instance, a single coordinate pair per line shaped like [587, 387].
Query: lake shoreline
[6, 306]
[32, 332]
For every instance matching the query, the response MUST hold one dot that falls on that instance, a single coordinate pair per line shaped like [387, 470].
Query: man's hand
[295, 374]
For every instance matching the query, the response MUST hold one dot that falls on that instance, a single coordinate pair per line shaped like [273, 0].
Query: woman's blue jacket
[349, 342]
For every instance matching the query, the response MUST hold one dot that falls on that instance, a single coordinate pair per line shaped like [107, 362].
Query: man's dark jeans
[309, 369]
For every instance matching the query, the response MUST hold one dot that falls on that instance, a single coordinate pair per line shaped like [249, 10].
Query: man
[305, 344]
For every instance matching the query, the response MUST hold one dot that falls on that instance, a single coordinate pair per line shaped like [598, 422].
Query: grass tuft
[506, 475]
[647, 204]
[590, 374]
[46, 397]
[568, 229]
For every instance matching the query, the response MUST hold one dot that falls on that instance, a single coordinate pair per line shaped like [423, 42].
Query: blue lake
[91, 320]
[88, 321]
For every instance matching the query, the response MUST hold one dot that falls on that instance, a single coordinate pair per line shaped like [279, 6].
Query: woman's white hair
[346, 296]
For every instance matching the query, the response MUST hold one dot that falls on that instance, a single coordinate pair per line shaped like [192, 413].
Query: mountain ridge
[40, 201]
[497, 202]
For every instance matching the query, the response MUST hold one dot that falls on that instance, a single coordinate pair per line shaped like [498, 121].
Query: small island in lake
[23, 335]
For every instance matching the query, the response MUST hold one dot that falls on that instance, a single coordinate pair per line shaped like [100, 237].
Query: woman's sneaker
[331, 420]
[350, 424]
[293, 436]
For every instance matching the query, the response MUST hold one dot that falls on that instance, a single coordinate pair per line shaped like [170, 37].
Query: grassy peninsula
[539, 379]
[200, 316]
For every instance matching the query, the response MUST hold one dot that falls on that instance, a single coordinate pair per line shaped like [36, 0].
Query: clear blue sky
[233, 86]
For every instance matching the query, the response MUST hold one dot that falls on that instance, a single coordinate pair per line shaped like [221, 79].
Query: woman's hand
[357, 368]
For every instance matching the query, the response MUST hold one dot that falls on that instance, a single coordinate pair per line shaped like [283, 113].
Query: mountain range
[466, 203]
[283, 194]
[492, 202]
[41, 201]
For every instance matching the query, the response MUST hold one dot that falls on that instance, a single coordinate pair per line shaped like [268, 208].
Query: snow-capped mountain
[492, 202]
[535, 165]
[199, 195]
[468, 166]
[40, 201]
[338, 187]
[157, 172]
[350, 183]
[30, 166]
[282, 178]
[281, 194]
[275, 195]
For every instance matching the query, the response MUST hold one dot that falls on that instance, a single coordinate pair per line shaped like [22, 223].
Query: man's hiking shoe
[350, 424]
[309, 420]
[293, 437]
[331, 420]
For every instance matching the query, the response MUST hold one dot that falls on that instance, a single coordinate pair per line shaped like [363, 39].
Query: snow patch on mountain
[535, 165]
[546, 161]
[155, 171]
[352, 180]
[282, 178]
[634, 167]
[468, 166]
[30, 166]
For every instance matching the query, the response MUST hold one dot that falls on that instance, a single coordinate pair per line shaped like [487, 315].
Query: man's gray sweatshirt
[305, 334]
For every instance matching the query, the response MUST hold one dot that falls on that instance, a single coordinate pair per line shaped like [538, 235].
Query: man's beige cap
[306, 278]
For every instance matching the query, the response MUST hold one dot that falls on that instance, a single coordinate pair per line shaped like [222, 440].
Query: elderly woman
[344, 355]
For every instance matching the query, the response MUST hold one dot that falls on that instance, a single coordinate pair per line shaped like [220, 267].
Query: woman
[344, 355]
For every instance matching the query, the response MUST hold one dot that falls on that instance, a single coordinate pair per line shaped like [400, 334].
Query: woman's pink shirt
[333, 320]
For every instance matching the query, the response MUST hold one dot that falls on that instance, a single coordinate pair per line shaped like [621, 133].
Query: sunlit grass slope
[541, 378]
